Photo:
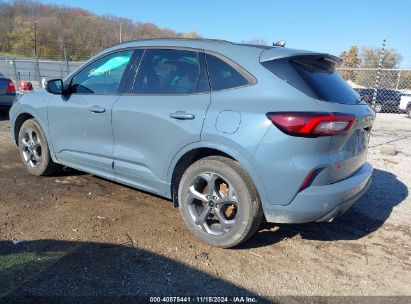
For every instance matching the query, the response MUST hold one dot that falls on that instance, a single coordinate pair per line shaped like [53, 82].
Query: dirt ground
[83, 235]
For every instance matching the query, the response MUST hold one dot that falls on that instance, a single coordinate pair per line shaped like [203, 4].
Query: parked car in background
[232, 133]
[7, 93]
[386, 100]
[405, 103]
[25, 86]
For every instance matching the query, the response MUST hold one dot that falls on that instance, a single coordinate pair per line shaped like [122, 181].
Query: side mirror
[55, 86]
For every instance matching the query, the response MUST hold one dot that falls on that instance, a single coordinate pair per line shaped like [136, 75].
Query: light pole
[35, 30]
[377, 80]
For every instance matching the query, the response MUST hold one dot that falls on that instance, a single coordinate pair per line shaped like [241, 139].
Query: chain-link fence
[387, 90]
[23, 70]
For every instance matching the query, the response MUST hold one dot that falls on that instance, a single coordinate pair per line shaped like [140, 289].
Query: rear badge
[368, 119]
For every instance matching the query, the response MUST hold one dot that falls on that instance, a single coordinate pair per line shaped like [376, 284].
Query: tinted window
[382, 94]
[171, 72]
[390, 95]
[315, 76]
[102, 76]
[365, 94]
[222, 75]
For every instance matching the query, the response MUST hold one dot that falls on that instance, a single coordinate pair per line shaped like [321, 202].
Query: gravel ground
[82, 235]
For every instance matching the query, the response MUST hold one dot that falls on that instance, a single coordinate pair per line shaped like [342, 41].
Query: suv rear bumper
[322, 203]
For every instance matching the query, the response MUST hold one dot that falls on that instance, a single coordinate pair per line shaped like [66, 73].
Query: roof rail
[176, 38]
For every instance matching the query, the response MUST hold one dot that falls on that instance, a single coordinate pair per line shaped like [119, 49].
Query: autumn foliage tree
[58, 28]
[351, 60]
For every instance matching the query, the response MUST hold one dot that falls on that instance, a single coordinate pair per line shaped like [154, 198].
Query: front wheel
[219, 202]
[34, 150]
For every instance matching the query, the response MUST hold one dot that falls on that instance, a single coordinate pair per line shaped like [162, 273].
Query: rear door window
[315, 76]
[223, 75]
[168, 71]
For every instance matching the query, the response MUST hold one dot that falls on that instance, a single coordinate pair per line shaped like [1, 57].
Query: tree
[351, 60]
[192, 34]
[81, 33]
[371, 58]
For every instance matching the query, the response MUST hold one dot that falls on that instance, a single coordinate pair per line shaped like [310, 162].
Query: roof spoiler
[281, 52]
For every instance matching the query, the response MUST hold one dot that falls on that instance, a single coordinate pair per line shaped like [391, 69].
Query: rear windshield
[315, 76]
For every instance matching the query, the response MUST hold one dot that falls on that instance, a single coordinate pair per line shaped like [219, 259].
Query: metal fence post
[67, 63]
[7, 67]
[398, 80]
[16, 75]
[37, 69]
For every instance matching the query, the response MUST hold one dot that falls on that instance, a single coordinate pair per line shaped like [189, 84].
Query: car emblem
[368, 119]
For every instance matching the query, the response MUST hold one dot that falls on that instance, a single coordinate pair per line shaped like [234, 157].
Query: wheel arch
[21, 117]
[191, 153]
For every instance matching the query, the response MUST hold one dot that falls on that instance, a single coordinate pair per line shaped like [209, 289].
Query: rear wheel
[378, 108]
[34, 150]
[219, 202]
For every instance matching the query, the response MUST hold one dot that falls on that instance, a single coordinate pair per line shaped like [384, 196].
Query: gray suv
[233, 134]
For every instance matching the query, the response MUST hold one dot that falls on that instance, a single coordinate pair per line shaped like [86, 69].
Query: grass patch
[17, 268]
[24, 260]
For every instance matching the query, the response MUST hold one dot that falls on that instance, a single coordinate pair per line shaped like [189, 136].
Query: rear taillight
[11, 88]
[307, 124]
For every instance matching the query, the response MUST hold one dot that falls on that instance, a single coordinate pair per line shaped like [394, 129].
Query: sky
[326, 26]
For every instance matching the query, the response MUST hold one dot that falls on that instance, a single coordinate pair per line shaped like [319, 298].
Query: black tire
[408, 111]
[34, 150]
[4, 111]
[241, 200]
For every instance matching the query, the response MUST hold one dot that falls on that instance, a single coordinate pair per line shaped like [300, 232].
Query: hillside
[81, 33]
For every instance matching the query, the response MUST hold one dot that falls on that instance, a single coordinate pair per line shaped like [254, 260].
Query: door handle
[182, 115]
[97, 109]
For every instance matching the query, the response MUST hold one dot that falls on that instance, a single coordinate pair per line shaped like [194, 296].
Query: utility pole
[35, 30]
[377, 80]
[121, 32]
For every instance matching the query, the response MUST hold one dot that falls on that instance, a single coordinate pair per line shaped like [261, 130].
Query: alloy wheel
[31, 147]
[213, 203]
